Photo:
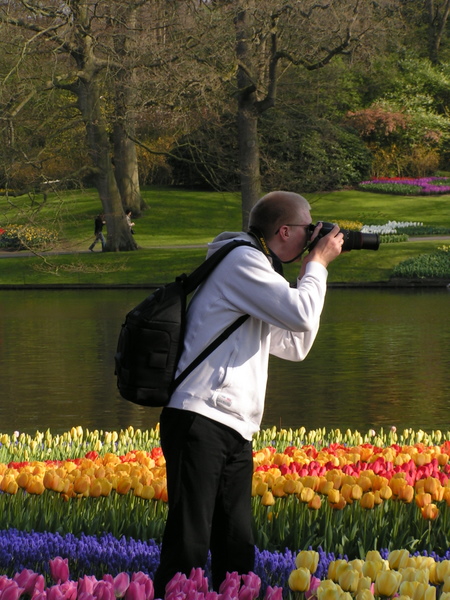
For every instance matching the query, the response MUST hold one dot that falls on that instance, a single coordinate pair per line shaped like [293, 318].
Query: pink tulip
[12, 591]
[59, 569]
[39, 595]
[252, 582]
[230, 584]
[87, 585]
[85, 596]
[4, 582]
[104, 590]
[273, 593]
[176, 584]
[145, 580]
[135, 591]
[30, 581]
[212, 596]
[201, 582]
[63, 591]
[121, 584]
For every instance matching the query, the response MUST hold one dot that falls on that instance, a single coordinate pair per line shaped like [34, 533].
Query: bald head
[276, 209]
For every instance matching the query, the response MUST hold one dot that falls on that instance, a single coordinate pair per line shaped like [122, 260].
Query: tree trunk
[119, 236]
[247, 120]
[125, 156]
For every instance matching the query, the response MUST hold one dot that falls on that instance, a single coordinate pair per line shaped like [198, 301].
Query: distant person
[98, 227]
[130, 224]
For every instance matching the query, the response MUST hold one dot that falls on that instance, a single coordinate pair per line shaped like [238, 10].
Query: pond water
[382, 358]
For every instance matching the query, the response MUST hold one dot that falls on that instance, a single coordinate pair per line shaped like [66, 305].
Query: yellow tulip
[371, 568]
[81, 484]
[364, 594]
[365, 583]
[267, 499]
[95, 489]
[387, 583]
[309, 559]
[442, 570]
[398, 558]
[299, 580]
[328, 590]
[444, 596]
[374, 555]
[349, 579]
[368, 500]
[357, 564]
[446, 584]
[421, 575]
[306, 495]
[333, 568]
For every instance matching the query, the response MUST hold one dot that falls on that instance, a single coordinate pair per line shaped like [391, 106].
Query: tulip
[423, 499]
[299, 580]
[387, 583]
[135, 591]
[309, 559]
[268, 499]
[334, 567]
[104, 590]
[371, 568]
[421, 575]
[349, 579]
[307, 494]
[364, 595]
[398, 558]
[444, 596]
[442, 570]
[430, 512]
[12, 591]
[315, 503]
[368, 500]
[328, 590]
[121, 583]
[59, 569]
[30, 581]
[273, 593]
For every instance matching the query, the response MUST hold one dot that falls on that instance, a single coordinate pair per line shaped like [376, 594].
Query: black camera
[353, 240]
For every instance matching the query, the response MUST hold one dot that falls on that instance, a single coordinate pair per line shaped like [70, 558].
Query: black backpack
[151, 339]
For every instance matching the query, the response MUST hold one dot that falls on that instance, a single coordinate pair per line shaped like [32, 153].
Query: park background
[186, 112]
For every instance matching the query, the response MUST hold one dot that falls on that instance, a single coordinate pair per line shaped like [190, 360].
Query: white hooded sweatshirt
[229, 386]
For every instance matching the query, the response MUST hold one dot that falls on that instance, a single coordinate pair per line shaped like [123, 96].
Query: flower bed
[99, 500]
[406, 186]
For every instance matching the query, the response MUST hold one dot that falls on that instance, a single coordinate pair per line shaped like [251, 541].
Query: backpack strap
[207, 351]
[190, 283]
[194, 279]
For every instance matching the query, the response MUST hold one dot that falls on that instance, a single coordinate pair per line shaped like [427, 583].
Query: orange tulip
[430, 512]
[123, 485]
[368, 500]
[315, 503]
[423, 499]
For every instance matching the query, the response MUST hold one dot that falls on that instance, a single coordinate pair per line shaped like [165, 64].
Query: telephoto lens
[353, 240]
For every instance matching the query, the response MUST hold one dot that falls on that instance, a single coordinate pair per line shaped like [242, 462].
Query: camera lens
[356, 240]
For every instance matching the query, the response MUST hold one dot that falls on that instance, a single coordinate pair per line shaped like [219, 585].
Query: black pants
[209, 478]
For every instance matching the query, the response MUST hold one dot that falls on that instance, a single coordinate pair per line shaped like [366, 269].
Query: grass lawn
[179, 218]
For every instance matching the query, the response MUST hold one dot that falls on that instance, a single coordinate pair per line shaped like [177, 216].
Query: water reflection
[381, 358]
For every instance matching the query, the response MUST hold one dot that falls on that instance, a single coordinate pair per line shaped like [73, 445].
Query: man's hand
[327, 248]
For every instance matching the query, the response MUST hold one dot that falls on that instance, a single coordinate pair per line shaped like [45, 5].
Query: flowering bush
[22, 237]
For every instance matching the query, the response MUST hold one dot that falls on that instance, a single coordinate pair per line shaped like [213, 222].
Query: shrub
[22, 237]
[393, 238]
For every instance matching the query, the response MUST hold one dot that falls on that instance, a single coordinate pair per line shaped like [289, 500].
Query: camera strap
[275, 261]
